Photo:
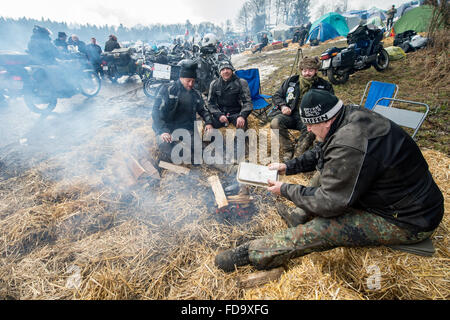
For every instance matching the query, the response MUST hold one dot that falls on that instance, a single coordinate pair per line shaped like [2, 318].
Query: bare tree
[244, 16]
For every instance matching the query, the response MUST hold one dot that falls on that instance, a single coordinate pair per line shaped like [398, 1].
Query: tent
[405, 7]
[322, 32]
[351, 19]
[417, 19]
[375, 12]
[376, 21]
[281, 32]
[335, 20]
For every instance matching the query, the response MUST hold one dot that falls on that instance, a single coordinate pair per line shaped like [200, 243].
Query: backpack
[404, 36]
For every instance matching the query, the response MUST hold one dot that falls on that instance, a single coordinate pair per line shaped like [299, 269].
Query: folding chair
[259, 103]
[377, 90]
[403, 117]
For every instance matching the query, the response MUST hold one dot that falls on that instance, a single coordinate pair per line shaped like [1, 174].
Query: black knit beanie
[319, 106]
[188, 69]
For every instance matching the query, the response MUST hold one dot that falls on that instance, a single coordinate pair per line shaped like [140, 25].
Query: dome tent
[322, 32]
[417, 19]
[334, 19]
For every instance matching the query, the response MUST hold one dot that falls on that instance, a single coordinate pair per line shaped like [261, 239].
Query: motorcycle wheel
[382, 61]
[90, 84]
[39, 104]
[151, 87]
[113, 74]
[337, 78]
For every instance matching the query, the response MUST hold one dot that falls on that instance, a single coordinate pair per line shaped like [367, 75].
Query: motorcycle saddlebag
[345, 58]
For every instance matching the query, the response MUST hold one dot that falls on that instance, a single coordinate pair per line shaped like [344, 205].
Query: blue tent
[322, 32]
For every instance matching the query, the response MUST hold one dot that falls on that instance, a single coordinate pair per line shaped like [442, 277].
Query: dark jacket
[282, 98]
[367, 162]
[93, 52]
[111, 44]
[60, 43]
[42, 50]
[231, 97]
[166, 112]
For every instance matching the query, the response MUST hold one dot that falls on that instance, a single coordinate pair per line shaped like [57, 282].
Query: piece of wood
[135, 168]
[240, 199]
[259, 278]
[219, 194]
[150, 169]
[174, 168]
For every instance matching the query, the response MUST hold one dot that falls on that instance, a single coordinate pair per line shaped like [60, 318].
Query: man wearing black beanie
[374, 188]
[176, 106]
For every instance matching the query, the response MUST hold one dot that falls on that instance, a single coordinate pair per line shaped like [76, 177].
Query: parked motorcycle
[365, 50]
[45, 84]
[12, 74]
[207, 59]
[124, 62]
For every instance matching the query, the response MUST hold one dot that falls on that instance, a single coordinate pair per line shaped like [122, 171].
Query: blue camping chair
[376, 91]
[259, 103]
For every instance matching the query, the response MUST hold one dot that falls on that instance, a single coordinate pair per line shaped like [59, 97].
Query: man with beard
[287, 100]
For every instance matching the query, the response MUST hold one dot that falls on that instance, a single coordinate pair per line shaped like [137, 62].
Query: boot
[236, 188]
[230, 259]
[305, 142]
[293, 217]
[232, 189]
[287, 156]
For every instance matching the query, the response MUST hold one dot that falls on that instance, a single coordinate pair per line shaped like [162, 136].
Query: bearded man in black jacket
[287, 100]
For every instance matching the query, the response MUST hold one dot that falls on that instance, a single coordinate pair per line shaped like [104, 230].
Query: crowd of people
[44, 50]
[372, 185]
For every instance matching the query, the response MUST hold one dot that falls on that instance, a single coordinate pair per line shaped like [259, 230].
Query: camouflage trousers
[354, 228]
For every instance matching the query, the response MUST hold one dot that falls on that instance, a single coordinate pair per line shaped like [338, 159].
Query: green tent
[336, 20]
[417, 19]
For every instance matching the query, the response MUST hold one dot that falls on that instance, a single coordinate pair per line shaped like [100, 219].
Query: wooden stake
[219, 194]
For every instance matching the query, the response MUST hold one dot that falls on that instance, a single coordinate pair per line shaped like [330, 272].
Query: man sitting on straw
[375, 188]
[176, 106]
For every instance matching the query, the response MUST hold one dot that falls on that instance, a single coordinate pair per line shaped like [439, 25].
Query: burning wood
[221, 198]
[240, 199]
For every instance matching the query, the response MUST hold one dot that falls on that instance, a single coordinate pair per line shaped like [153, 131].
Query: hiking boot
[287, 156]
[305, 142]
[293, 217]
[232, 189]
[230, 259]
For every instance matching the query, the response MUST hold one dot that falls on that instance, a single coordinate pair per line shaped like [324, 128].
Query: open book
[255, 174]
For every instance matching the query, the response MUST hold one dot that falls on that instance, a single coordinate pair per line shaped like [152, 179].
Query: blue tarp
[323, 32]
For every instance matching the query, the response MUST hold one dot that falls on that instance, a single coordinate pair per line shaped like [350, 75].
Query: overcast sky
[133, 12]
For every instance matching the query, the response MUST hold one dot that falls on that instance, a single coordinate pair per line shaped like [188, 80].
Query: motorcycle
[165, 71]
[364, 50]
[12, 74]
[124, 62]
[45, 84]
